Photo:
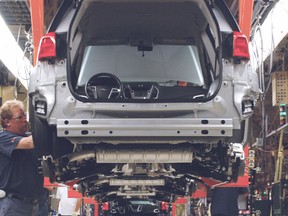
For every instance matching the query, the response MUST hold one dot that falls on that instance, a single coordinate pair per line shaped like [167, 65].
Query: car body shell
[135, 127]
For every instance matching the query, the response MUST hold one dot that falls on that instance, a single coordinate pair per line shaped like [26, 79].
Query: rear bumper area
[177, 127]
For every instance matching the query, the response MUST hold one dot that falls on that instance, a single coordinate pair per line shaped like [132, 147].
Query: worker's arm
[78, 205]
[25, 143]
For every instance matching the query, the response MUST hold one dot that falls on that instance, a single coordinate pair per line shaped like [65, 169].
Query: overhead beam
[37, 21]
[245, 16]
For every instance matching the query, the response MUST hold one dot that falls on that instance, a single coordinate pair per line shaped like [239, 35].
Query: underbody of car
[142, 98]
[135, 206]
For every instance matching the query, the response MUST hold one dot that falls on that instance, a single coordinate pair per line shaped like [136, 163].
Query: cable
[272, 48]
[272, 123]
[25, 69]
[266, 151]
[264, 87]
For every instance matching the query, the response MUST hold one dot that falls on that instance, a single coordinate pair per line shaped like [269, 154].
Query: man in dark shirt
[19, 177]
[224, 200]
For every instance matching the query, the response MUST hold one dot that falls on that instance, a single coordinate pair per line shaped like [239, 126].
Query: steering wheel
[103, 86]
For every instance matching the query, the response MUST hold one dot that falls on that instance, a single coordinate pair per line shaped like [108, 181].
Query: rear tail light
[47, 48]
[240, 46]
[105, 206]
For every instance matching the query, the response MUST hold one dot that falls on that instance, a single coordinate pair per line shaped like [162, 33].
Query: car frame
[135, 206]
[126, 134]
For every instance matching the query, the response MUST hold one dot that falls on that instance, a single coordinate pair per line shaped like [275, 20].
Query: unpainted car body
[139, 97]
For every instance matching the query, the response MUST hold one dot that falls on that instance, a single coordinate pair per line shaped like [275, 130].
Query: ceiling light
[13, 56]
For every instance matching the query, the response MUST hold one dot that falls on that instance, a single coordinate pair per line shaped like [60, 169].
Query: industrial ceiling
[16, 14]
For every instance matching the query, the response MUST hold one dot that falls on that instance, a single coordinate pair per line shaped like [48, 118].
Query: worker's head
[13, 117]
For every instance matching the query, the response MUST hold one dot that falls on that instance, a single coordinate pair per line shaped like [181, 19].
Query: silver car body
[149, 122]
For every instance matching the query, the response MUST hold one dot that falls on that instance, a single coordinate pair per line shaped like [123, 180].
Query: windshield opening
[125, 72]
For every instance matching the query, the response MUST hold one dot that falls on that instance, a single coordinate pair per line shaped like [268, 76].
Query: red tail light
[240, 45]
[164, 206]
[105, 206]
[47, 48]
